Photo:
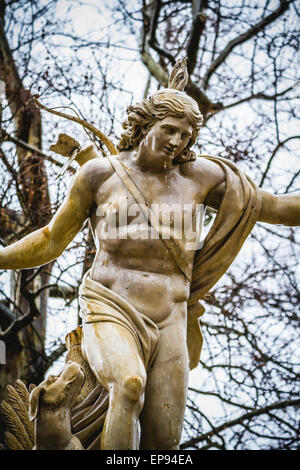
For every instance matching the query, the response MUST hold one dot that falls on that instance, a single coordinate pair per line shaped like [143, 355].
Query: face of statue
[165, 140]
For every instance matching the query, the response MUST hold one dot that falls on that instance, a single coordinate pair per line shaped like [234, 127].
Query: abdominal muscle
[151, 293]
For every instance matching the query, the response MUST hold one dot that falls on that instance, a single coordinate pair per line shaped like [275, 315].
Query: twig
[234, 422]
[278, 146]
[31, 148]
[284, 5]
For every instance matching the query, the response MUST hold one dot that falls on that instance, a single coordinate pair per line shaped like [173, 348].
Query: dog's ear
[70, 372]
[34, 402]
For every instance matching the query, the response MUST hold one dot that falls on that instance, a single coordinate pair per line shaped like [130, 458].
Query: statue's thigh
[166, 392]
[112, 352]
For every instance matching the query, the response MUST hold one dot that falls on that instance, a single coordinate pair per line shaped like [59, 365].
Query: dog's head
[57, 390]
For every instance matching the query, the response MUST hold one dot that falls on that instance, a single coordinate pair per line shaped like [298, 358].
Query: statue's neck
[137, 160]
[53, 429]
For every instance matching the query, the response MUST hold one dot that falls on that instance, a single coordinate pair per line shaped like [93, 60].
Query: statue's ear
[145, 129]
[34, 402]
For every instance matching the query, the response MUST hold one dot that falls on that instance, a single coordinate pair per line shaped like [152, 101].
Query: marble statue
[139, 302]
[49, 406]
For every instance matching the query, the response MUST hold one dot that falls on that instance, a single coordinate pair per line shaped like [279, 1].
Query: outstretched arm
[280, 209]
[47, 243]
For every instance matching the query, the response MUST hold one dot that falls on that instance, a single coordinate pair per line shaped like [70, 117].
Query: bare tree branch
[48, 361]
[261, 96]
[18, 324]
[278, 146]
[204, 103]
[6, 312]
[284, 5]
[198, 26]
[234, 422]
[33, 149]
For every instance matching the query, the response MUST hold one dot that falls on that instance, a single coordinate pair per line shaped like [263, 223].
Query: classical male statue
[139, 301]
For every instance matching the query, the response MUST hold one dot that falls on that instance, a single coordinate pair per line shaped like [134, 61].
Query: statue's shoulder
[203, 167]
[94, 172]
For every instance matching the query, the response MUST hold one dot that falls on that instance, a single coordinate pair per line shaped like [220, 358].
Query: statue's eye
[169, 129]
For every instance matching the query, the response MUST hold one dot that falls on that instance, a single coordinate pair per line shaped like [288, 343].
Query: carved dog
[50, 404]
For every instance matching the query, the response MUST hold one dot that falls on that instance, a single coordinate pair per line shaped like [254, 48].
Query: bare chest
[132, 260]
[174, 203]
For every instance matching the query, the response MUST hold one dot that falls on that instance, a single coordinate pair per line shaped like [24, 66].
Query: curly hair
[163, 103]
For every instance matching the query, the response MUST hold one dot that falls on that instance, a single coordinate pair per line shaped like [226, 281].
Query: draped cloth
[238, 212]
[100, 304]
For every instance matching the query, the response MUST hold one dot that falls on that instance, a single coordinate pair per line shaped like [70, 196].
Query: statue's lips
[169, 151]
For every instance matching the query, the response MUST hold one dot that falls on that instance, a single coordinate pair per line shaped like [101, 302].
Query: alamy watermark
[2, 352]
[120, 221]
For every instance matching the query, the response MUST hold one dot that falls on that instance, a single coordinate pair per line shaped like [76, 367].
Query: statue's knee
[134, 387]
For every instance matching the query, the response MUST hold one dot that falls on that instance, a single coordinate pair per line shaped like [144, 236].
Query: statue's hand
[74, 338]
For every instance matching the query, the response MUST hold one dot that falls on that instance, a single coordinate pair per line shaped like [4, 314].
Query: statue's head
[171, 101]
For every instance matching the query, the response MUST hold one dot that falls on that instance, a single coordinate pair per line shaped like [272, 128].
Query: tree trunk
[25, 348]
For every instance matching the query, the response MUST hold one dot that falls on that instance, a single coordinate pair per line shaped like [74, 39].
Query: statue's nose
[174, 140]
